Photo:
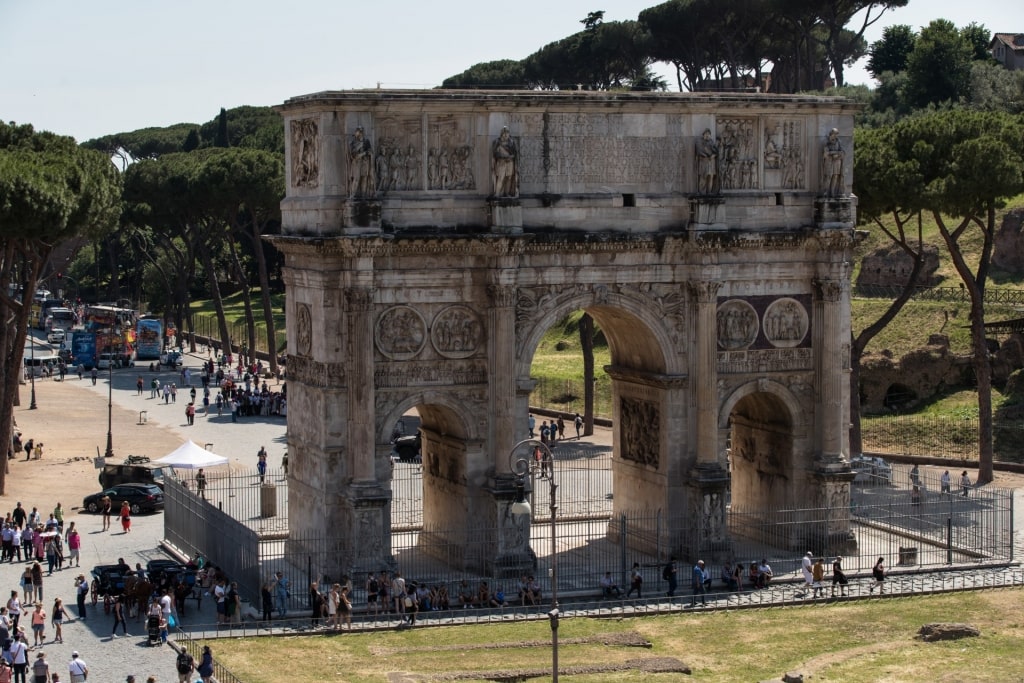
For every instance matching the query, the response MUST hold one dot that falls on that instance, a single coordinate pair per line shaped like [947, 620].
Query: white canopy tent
[192, 456]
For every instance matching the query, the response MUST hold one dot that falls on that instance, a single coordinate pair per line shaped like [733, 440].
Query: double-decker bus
[114, 330]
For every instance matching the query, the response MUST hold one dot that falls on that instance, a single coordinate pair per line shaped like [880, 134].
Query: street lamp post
[110, 409]
[32, 370]
[542, 461]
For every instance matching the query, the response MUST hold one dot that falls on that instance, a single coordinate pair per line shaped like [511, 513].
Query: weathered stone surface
[1008, 245]
[423, 269]
[947, 631]
[890, 266]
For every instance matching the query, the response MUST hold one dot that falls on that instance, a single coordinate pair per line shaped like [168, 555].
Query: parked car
[407, 448]
[871, 470]
[136, 469]
[140, 497]
[55, 336]
[118, 360]
[171, 359]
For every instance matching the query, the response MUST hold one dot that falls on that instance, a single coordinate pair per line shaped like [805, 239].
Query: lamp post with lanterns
[541, 460]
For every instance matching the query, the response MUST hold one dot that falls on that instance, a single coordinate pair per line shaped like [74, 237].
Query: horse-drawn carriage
[111, 581]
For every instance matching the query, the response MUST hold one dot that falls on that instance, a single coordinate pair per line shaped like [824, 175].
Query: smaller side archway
[768, 449]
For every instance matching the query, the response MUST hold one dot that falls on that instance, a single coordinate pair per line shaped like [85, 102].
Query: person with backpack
[372, 592]
[668, 573]
[578, 422]
[186, 665]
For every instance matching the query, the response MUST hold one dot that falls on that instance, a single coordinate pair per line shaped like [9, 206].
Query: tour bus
[62, 318]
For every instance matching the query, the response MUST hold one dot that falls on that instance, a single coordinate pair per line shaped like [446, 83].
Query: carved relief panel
[737, 325]
[398, 158]
[303, 329]
[738, 152]
[640, 426]
[784, 154]
[305, 143]
[401, 333]
[449, 154]
[785, 323]
[456, 332]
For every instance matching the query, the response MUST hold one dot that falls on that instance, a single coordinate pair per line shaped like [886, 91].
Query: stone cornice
[646, 378]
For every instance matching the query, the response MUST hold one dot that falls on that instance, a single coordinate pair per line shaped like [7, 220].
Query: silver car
[871, 470]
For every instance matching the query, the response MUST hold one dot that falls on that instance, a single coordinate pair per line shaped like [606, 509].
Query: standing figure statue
[707, 164]
[360, 165]
[506, 174]
[832, 165]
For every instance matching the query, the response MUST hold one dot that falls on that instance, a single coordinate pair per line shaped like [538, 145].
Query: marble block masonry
[432, 237]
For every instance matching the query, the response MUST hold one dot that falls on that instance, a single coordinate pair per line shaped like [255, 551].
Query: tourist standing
[81, 593]
[205, 668]
[838, 576]
[118, 611]
[57, 617]
[126, 517]
[806, 568]
[669, 574]
[281, 595]
[944, 482]
[965, 483]
[697, 584]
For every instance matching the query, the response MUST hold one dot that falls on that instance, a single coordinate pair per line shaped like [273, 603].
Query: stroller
[153, 629]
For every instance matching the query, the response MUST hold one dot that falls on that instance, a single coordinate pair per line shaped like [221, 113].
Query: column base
[361, 217]
[707, 213]
[506, 214]
[834, 213]
[709, 483]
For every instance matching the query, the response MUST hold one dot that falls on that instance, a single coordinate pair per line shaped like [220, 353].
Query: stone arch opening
[453, 475]
[899, 396]
[761, 457]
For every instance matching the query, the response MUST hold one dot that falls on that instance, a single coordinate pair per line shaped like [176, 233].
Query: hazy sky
[91, 68]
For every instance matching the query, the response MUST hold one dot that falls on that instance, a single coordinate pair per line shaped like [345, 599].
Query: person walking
[636, 581]
[19, 659]
[185, 664]
[77, 668]
[14, 610]
[261, 463]
[57, 616]
[944, 482]
[205, 668]
[578, 423]
[669, 574]
[838, 577]
[41, 669]
[38, 625]
[697, 584]
[878, 572]
[806, 568]
[818, 576]
[965, 483]
[118, 611]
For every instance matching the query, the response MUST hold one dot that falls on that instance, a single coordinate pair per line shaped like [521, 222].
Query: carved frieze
[425, 373]
[737, 325]
[502, 296]
[305, 143]
[785, 323]
[303, 330]
[449, 154]
[456, 332]
[765, 360]
[399, 159]
[401, 333]
[640, 427]
[737, 153]
[314, 373]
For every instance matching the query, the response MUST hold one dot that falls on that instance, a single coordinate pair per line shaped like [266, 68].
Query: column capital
[828, 290]
[705, 291]
[502, 296]
[359, 298]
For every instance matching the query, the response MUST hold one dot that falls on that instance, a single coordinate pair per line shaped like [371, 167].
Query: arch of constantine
[432, 237]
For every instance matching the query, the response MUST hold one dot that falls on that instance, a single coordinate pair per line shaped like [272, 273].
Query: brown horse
[139, 597]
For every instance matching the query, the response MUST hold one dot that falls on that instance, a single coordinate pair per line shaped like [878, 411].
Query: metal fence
[992, 295]
[886, 517]
[206, 326]
[937, 436]
[566, 395]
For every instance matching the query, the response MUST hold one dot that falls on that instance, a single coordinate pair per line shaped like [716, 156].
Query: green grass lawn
[859, 641]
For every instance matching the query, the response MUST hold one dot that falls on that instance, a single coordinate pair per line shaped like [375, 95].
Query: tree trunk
[268, 308]
[587, 346]
[218, 302]
[250, 321]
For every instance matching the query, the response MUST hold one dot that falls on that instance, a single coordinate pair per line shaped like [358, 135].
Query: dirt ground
[72, 424]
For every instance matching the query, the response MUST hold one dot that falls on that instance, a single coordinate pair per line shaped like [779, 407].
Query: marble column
[829, 365]
[705, 369]
[361, 441]
[501, 341]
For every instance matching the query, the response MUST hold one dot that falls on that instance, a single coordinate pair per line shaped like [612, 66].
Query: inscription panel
[767, 360]
[581, 150]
